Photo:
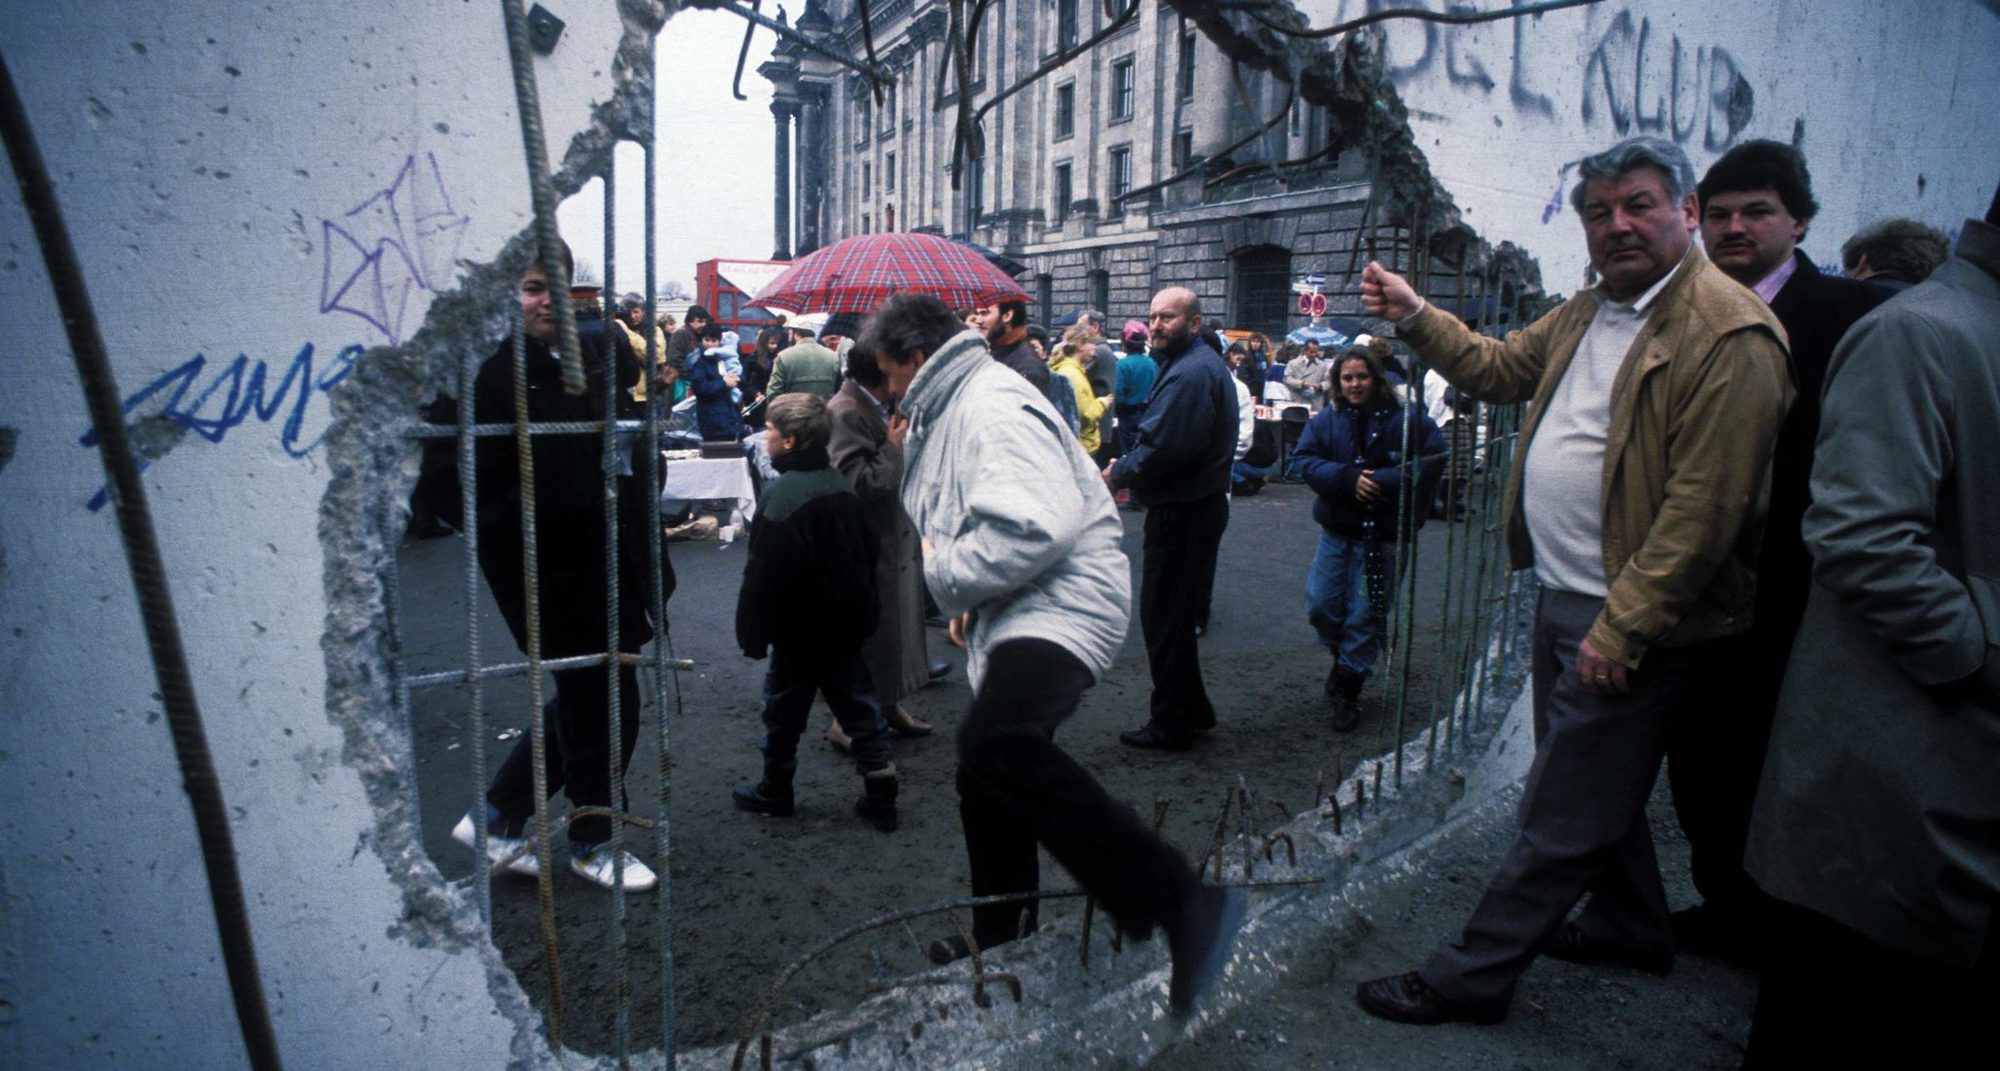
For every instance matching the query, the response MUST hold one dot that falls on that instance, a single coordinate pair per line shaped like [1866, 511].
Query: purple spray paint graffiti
[388, 245]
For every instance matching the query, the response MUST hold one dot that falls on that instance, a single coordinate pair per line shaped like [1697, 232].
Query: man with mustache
[1756, 203]
[1637, 496]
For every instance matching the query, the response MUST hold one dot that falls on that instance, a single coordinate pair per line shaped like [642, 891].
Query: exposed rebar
[149, 578]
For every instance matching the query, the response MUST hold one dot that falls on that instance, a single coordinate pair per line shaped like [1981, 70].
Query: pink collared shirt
[1768, 287]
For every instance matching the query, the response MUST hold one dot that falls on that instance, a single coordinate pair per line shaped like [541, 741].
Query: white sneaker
[597, 868]
[514, 854]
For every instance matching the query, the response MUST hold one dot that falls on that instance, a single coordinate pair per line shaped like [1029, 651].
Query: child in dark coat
[808, 598]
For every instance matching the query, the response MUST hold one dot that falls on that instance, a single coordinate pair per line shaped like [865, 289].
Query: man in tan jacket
[1637, 496]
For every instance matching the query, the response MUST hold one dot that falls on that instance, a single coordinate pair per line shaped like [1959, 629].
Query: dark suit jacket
[1816, 311]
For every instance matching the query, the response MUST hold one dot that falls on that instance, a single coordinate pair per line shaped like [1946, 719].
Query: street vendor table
[696, 479]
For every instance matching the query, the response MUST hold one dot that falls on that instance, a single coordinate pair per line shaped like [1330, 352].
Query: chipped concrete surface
[248, 153]
[227, 174]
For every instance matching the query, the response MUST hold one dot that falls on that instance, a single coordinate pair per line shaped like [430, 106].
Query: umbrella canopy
[1320, 333]
[858, 274]
[996, 258]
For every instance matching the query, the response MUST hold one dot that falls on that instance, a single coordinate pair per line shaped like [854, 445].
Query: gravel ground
[751, 894]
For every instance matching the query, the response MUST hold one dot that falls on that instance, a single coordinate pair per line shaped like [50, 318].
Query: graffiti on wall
[237, 393]
[401, 239]
[1635, 78]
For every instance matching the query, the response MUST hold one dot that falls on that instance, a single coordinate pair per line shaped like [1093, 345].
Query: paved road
[749, 894]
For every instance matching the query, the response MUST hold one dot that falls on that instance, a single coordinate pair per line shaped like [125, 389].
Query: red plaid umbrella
[858, 274]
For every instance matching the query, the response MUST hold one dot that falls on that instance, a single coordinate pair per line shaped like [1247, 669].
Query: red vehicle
[725, 287]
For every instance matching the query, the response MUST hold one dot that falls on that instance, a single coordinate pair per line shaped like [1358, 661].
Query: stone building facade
[1147, 159]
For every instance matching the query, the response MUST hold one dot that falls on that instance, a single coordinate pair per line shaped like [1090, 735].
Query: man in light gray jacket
[1021, 551]
[1878, 818]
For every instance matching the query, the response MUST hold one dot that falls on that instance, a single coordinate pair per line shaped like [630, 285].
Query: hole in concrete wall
[442, 602]
[398, 607]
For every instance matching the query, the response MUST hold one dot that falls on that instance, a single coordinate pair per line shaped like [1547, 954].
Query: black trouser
[1017, 789]
[1831, 997]
[1716, 746]
[1181, 543]
[578, 732]
[573, 605]
[1205, 580]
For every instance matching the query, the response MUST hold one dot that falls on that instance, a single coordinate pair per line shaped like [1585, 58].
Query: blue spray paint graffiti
[387, 246]
[241, 391]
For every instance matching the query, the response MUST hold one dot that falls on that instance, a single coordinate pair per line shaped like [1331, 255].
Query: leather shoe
[1571, 945]
[1149, 737]
[1717, 933]
[906, 725]
[1407, 998]
[940, 670]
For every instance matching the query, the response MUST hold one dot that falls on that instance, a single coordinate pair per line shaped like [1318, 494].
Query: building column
[781, 208]
[812, 166]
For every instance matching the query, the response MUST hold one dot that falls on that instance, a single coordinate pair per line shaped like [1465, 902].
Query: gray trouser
[1583, 815]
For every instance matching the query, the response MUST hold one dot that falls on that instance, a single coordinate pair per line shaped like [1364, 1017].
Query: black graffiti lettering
[1730, 97]
[1603, 69]
[1400, 74]
[1657, 122]
[1525, 99]
[1626, 84]
[1463, 68]
[1681, 134]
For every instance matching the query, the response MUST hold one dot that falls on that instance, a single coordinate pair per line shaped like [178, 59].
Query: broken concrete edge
[370, 458]
[1350, 79]
[1114, 1012]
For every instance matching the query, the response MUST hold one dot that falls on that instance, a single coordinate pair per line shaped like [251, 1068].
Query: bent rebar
[149, 577]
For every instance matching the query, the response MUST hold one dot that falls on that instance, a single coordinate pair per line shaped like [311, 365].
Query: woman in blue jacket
[713, 387]
[1352, 455]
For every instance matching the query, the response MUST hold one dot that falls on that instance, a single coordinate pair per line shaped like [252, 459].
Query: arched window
[1262, 290]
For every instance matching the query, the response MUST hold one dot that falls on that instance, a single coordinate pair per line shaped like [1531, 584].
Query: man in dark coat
[1878, 815]
[1756, 203]
[1005, 326]
[1179, 470]
[686, 340]
[572, 584]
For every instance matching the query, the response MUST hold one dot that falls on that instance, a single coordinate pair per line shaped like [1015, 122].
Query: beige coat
[1695, 412]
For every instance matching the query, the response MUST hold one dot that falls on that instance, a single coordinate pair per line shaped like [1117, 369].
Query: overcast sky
[713, 164]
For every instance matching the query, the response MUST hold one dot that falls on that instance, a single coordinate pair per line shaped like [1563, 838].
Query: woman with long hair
[1357, 453]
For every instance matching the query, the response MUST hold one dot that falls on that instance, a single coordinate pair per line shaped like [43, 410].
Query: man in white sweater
[1021, 551]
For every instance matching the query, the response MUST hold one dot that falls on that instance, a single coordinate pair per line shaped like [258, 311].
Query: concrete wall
[261, 196]
[1893, 104]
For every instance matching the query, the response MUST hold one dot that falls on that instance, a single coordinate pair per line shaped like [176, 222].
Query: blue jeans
[1337, 599]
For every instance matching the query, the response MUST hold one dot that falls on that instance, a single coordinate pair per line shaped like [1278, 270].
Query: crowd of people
[1750, 496]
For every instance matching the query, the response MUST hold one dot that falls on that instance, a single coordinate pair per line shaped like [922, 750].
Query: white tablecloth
[695, 479]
